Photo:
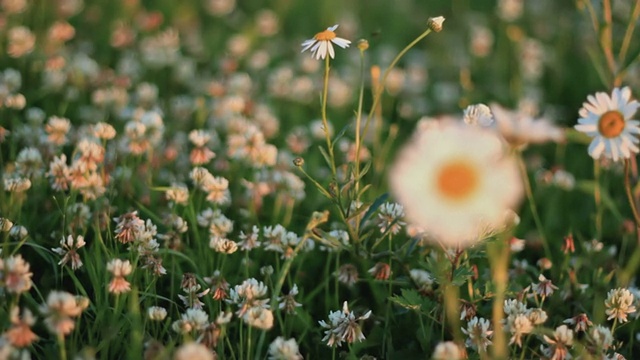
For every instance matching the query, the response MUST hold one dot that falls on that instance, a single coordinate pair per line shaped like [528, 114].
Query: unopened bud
[363, 44]
[435, 24]
[298, 162]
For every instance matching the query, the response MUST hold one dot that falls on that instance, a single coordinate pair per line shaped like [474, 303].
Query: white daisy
[456, 182]
[520, 129]
[608, 120]
[321, 43]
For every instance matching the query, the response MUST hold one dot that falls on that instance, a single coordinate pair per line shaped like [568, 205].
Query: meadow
[289, 179]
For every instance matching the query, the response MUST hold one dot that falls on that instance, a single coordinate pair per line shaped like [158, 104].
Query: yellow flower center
[457, 180]
[326, 35]
[611, 124]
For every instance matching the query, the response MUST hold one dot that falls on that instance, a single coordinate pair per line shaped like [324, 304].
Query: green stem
[597, 197]
[532, 206]
[325, 122]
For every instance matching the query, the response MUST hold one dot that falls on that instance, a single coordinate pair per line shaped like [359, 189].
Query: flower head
[281, 349]
[321, 43]
[343, 326]
[607, 119]
[456, 182]
[478, 334]
[619, 303]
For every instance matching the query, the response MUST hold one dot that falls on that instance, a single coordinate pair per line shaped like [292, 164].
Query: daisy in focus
[321, 43]
[608, 120]
[456, 182]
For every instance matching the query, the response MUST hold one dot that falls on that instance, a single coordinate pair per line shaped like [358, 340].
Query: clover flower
[343, 326]
[619, 304]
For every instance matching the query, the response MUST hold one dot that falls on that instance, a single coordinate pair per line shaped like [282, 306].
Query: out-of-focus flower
[545, 287]
[69, 251]
[21, 41]
[343, 326]
[447, 350]
[320, 45]
[248, 295]
[60, 310]
[348, 274]
[259, 317]
[380, 271]
[608, 120]
[520, 129]
[119, 269]
[288, 302]
[57, 128]
[580, 322]
[20, 334]
[456, 182]
[601, 337]
[193, 351]
[479, 115]
[15, 276]
[558, 345]
[156, 313]
[281, 349]
[619, 304]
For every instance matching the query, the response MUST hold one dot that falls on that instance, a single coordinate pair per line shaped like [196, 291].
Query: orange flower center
[611, 124]
[457, 180]
[326, 35]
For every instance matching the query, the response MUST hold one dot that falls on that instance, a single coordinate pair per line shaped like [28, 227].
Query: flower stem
[325, 122]
[627, 187]
[532, 206]
[597, 197]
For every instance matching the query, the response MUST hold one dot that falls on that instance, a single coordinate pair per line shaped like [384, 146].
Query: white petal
[343, 43]
[333, 28]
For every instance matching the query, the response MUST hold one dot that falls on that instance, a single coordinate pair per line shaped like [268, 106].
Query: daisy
[608, 120]
[456, 182]
[321, 43]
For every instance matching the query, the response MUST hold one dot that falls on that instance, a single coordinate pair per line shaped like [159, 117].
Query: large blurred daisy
[320, 45]
[608, 120]
[456, 182]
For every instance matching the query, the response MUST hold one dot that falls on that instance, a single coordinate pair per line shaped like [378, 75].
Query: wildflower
[218, 190]
[20, 334]
[193, 351]
[348, 274]
[423, 280]
[545, 287]
[456, 182]
[478, 115]
[380, 271]
[568, 246]
[219, 286]
[321, 43]
[249, 241]
[59, 173]
[128, 227]
[69, 251]
[192, 320]
[288, 302]
[156, 313]
[104, 131]
[248, 295]
[15, 276]
[201, 154]
[178, 194]
[447, 350]
[259, 317]
[601, 337]
[57, 128]
[478, 334]
[119, 269]
[191, 287]
[21, 41]
[619, 303]
[281, 349]
[519, 325]
[544, 263]
[16, 184]
[435, 24]
[343, 326]
[389, 216]
[559, 345]
[520, 129]
[580, 322]
[607, 118]
[60, 310]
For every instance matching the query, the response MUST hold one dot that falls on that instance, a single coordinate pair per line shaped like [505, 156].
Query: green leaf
[410, 299]
[461, 275]
[326, 156]
[340, 134]
[376, 204]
